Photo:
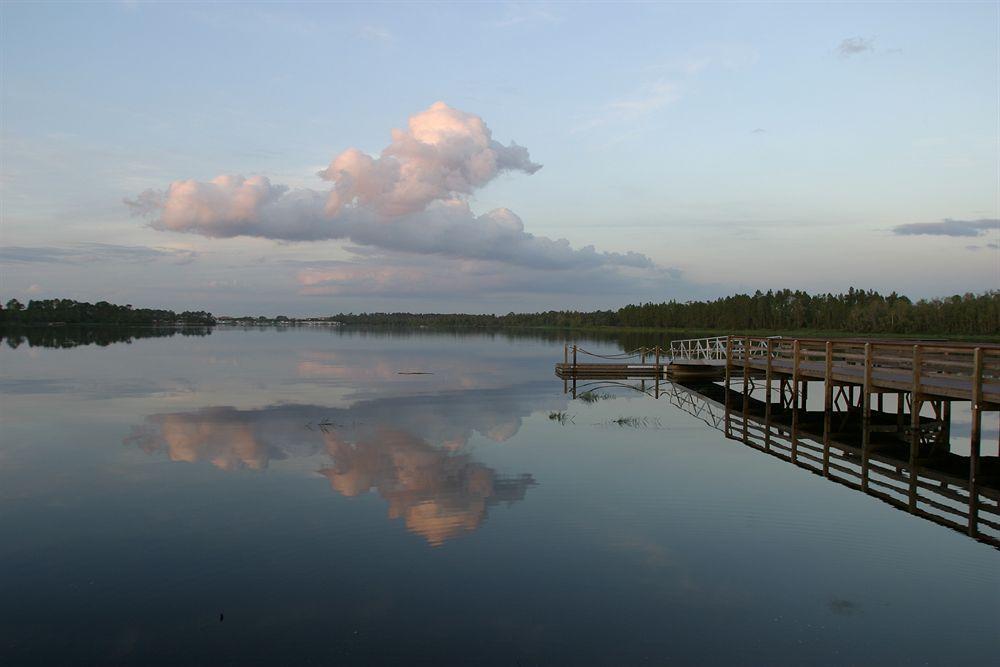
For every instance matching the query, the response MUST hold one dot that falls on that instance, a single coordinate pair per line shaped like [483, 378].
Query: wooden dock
[909, 434]
[927, 370]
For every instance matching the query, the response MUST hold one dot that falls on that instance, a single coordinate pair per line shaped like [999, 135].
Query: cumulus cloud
[443, 153]
[853, 46]
[949, 227]
[410, 198]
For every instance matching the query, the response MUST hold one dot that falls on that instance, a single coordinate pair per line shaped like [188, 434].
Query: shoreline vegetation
[69, 312]
[786, 312]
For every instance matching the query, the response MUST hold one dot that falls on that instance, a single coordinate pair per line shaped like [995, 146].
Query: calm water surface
[289, 496]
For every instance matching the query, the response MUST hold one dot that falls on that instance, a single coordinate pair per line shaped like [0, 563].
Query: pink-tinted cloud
[444, 153]
[410, 198]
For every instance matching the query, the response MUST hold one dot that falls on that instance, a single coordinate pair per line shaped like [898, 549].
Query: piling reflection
[902, 459]
[411, 451]
[869, 451]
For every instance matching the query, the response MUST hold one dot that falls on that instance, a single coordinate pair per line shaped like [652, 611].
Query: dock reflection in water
[411, 451]
[838, 444]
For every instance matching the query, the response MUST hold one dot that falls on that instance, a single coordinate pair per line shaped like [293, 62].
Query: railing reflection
[871, 455]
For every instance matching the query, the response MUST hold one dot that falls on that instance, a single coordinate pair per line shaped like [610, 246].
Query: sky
[308, 159]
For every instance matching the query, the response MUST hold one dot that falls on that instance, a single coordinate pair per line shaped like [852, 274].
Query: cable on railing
[638, 352]
[595, 385]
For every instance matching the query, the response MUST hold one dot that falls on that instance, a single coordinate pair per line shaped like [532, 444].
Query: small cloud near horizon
[84, 253]
[526, 14]
[853, 46]
[376, 33]
[948, 227]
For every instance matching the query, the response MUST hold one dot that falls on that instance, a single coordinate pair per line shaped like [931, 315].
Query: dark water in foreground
[266, 496]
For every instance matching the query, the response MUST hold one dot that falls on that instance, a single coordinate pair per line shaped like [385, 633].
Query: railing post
[574, 357]
[975, 438]
[795, 373]
[729, 359]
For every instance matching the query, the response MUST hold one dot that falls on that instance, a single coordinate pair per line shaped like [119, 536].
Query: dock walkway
[921, 378]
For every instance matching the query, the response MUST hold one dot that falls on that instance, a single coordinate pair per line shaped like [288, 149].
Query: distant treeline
[67, 311]
[857, 311]
[77, 335]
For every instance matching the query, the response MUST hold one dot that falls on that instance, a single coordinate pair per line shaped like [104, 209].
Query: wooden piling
[915, 404]
[795, 400]
[866, 416]
[946, 426]
[746, 385]
[729, 373]
[768, 377]
[827, 406]
[975, 437]
[659, 371]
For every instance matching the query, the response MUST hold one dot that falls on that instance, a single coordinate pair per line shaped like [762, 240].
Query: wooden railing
[696, 349]
[952, 370]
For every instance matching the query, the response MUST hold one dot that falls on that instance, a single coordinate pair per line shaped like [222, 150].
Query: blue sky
[736, 146]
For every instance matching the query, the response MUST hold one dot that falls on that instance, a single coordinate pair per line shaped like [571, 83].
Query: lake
[319, 496]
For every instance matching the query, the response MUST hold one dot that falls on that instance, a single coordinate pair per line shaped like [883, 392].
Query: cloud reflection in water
[410, 450]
